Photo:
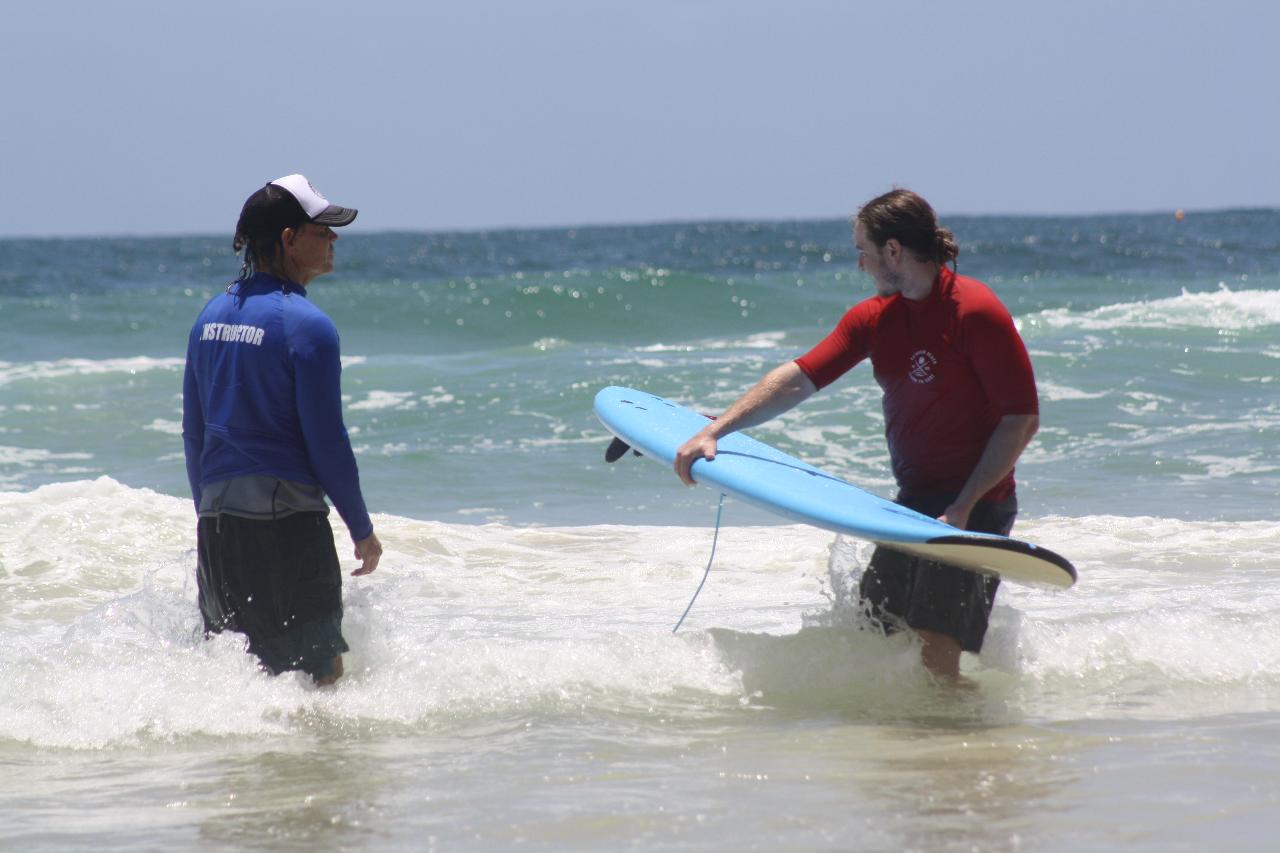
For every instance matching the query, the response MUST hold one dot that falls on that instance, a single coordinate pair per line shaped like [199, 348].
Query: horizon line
[654, 223]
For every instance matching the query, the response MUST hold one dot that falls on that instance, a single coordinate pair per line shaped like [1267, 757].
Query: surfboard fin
[617, 449]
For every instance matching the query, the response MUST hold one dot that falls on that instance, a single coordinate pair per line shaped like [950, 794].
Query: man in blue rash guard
[265, 442]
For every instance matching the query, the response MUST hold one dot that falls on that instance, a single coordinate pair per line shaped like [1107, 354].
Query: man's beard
[889, 283]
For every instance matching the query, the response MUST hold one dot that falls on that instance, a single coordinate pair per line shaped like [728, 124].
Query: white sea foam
[1215, 466]
[437, 397]
[28, 456]
[1054, 392]
[762, 340]
[36, 370]
[167, 427]
[1223, 309]
[102, 646]
[1130, 435]
[388, 449]
[385, 400]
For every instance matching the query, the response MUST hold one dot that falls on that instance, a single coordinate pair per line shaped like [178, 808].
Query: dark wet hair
[906, 217]
[264, 216]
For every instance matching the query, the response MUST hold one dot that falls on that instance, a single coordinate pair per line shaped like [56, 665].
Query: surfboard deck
[765, 476]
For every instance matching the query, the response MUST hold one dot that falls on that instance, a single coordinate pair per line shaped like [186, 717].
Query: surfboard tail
[1011, 559]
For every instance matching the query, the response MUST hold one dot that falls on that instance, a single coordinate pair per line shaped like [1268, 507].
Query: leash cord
[705, 574]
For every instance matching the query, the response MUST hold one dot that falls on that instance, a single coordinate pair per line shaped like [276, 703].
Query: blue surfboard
[767, 477]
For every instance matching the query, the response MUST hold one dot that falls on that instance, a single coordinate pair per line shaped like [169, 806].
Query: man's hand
[780, 390]
[701, 446]
[957, 515]
[368, 552]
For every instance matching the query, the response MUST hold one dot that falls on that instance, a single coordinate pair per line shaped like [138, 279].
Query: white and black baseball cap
[284, 203]
[316, 206]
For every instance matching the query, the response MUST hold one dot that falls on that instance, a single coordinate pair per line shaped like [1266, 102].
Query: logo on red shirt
[922, 362]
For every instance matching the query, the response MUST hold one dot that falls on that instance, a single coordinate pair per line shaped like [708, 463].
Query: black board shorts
[278, 582]
[926, 595]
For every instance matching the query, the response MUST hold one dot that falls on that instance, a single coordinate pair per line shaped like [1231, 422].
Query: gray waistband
[260, 496]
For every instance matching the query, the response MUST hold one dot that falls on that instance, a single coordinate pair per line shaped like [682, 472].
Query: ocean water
[514, 680]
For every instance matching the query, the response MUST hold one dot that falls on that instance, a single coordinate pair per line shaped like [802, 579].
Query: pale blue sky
[161, 117]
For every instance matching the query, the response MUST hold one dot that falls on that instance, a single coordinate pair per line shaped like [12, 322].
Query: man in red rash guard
[960, 405]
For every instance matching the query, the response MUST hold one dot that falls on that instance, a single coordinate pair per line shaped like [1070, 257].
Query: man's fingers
[368, 552]
[684, 463]
[366, 568]
[681, 467]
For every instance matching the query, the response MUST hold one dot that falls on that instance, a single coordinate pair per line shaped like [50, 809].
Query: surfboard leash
[710, 560]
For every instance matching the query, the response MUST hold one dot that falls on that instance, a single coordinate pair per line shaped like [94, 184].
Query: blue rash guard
[262, 396]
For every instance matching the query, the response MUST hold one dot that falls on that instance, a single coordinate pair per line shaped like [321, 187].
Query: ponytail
[946, 250]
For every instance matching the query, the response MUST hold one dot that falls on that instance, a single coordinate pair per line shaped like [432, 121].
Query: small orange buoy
[1179, 215]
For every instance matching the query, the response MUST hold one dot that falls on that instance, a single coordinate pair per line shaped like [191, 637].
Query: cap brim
[335, 216]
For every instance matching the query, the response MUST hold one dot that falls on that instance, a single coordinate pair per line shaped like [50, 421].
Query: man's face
[311, 250]
[873, 261]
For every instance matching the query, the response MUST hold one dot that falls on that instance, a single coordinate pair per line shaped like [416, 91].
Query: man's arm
[1010, 438]
[781, 390]
[317, 370]
[192, 426]
[319, 397]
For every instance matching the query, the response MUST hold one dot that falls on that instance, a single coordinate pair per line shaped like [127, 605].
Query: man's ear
[893, 249]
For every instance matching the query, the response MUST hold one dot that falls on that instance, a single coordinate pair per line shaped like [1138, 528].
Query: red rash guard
[951, 366]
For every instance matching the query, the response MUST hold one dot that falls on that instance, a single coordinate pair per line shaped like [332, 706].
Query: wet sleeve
[1000, 361]
[838, 352]
[192, 421]
[318, 385]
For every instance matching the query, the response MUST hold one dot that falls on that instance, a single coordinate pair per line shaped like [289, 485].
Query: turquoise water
[514, 680]
[473, 358]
